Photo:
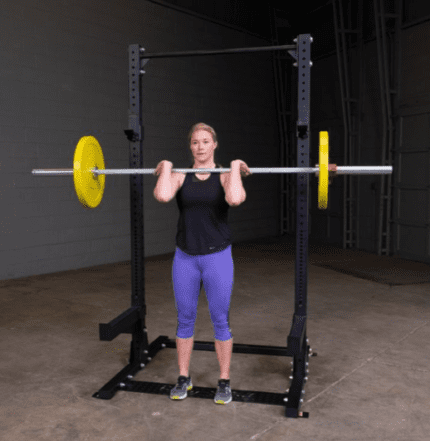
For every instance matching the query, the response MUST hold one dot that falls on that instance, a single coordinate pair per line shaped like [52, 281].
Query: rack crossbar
[216, 52]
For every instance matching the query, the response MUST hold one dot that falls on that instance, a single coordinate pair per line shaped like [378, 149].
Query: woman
[203, 253]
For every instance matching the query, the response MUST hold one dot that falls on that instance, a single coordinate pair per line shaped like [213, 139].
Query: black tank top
[203, 220]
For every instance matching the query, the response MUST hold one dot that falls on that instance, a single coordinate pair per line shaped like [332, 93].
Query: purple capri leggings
[216, 271]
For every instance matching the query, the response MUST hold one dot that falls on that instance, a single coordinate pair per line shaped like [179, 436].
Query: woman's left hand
[239, 164]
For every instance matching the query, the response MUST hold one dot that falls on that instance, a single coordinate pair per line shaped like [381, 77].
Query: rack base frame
[123, 380]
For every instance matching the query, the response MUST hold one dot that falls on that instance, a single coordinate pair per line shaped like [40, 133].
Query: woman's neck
[204, 165]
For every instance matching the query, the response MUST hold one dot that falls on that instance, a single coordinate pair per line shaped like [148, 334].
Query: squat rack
[132, 321]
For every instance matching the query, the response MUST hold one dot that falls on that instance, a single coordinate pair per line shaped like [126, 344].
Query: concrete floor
[367, 320]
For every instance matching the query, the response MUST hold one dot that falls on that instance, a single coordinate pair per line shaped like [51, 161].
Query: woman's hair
[203, 126]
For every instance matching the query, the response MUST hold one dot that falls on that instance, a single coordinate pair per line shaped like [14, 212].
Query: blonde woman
[203, 253]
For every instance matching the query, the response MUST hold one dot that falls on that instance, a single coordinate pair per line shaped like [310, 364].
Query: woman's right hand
[163, 165]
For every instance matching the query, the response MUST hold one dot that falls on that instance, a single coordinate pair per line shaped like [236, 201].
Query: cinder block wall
[63, 71]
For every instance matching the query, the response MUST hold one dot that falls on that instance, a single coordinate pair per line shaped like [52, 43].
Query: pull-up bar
[216, 52]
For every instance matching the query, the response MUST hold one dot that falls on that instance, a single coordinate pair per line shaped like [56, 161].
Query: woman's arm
[234, 192]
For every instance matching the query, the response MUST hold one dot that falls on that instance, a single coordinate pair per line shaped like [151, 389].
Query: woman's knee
[185, 333]
[222, 334]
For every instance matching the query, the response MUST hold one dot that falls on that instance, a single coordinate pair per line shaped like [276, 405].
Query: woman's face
[202, 146]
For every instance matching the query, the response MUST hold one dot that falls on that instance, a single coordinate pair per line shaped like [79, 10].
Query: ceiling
[298, 8]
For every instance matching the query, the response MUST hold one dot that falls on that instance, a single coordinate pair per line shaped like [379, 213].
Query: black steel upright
[132, 321]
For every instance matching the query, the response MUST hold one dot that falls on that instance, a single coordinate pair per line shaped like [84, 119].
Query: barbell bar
[340, 170]
[89, 171]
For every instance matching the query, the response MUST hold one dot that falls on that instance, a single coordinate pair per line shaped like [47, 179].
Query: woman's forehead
[201, 134]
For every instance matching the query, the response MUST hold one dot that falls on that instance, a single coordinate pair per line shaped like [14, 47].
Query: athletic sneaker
[179, 392]
[223, 394]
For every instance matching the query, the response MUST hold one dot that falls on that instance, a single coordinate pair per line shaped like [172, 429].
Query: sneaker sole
[177, 397]
[223, 402]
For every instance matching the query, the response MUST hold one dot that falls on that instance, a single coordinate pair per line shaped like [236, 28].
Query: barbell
[89, 171]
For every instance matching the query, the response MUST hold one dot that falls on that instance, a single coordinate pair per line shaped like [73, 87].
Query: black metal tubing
[123, 324]
[199, 53]
[278, 351]
[123, 380]
[297, 341]
[135, 131]
[133, 320]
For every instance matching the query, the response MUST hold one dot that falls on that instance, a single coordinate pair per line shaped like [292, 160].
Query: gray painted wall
[63, 73]
[63, 70]
[412, 196]
[411, 180]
